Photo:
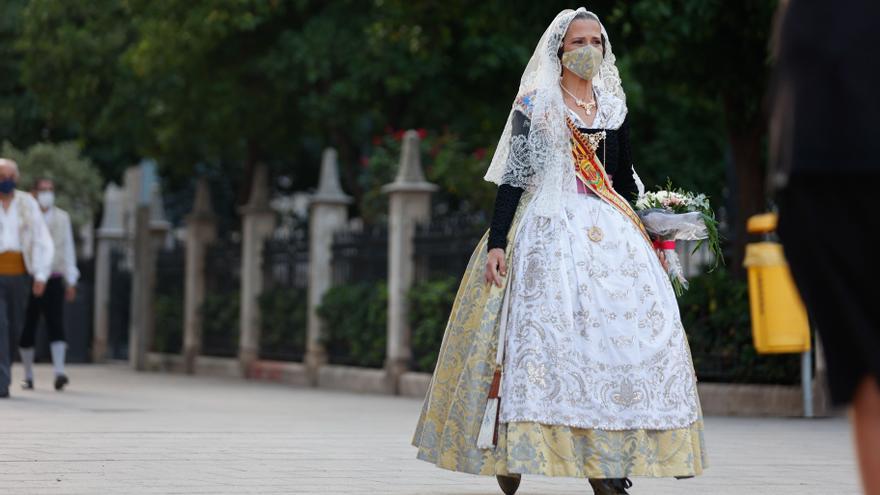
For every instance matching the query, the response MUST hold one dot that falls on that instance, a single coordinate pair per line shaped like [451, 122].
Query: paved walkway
[115, 431]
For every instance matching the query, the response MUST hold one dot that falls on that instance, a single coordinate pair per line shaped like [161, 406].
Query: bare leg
[866, 423]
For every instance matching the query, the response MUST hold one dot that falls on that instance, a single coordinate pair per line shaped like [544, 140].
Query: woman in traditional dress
[567, 296]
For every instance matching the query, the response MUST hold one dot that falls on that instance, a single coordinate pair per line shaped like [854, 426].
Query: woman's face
[582, 32]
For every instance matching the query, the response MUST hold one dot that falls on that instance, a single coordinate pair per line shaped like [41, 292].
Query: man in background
[61, 286]
[825, 155]
[25, 248]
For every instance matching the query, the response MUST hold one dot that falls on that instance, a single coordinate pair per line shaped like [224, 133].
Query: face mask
[7, 186]
[583, 61]
[46, 199]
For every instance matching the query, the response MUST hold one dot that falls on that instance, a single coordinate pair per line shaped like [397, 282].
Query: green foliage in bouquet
[677, 200]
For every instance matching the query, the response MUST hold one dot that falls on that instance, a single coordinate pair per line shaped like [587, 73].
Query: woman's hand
[495, 267]
[662, 256]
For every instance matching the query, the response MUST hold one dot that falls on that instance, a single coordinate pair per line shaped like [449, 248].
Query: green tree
[77, 182]
[702, 66]
[232, 83]
[21, 121]
[72, 63]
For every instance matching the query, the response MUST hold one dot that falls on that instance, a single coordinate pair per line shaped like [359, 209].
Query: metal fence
[283, 302]
[220, 310]
[444, 246]
[119, 304]
[286, 263]
[168, 300]
[360, 255]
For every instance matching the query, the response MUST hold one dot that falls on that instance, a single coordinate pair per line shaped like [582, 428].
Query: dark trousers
[50, 306]
[826, 223]
[13, 296]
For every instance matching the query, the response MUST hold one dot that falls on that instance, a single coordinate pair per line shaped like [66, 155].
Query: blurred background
[257, 137]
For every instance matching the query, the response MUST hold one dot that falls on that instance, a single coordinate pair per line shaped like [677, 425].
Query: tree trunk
[746, 146]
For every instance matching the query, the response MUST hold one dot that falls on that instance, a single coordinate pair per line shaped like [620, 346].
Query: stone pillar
[328, 213]
[159, 225]
[110, 234]
[150, 228]
[201, 230]
[143, 281]
[257, 225]
[409, 204]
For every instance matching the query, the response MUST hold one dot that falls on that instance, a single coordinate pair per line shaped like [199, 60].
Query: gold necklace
[588, 107]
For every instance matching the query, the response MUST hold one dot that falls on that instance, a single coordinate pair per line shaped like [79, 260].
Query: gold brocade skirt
[447, 430]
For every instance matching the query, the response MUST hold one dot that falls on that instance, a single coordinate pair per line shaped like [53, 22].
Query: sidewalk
[119, 432]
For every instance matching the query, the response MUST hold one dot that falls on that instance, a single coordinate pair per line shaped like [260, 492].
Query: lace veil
[534, 152]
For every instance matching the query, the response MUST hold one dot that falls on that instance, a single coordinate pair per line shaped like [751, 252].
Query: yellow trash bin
[779, 319]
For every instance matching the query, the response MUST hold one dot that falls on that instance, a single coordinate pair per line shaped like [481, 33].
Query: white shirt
[10, 239]
[32, 239]
[64, 260]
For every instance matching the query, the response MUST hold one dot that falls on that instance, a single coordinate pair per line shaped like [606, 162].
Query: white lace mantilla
[537, 156]
[594, 337]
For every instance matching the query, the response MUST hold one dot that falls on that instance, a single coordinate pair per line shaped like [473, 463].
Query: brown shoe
[610, 486]
[509, 484]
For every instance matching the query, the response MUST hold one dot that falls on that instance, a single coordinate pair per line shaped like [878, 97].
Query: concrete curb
[354, 379]
[718, 399]
[205, 365]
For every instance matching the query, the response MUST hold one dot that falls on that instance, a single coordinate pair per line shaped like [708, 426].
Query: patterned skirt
[615, 410]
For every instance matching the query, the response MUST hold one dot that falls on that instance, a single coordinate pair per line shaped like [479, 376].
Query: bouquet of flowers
[672, 214]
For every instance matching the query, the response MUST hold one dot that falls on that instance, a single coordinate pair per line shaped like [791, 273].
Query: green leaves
[355, 328]
[77, 182]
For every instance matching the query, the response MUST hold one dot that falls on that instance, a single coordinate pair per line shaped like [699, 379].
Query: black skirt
[826, 221]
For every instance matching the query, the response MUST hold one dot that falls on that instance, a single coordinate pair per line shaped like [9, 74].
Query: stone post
[150, 227]
[143, 279]
[328, 213]
[257, 225]
[110, 234]
[409, 204]
[159, 225]
[201, 230]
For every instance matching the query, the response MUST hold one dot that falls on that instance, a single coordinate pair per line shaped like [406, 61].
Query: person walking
[60, 287]
[824, 159]
[25, 248]
[565, 354]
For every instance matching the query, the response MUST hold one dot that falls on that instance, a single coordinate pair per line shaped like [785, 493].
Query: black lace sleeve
[507, 197]
[506, 202]
[624, 183]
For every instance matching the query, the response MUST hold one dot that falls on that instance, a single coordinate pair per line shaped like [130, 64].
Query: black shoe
[60, 382]
[27, 384]
[611, 486]
[4, 394]
[509, 484]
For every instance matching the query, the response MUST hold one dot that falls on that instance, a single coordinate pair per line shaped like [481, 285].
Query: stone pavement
[115, 431]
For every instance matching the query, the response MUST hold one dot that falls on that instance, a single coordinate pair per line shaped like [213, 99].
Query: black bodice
[613, 152]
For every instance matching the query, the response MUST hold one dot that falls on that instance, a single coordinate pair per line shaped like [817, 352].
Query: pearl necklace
[588, 107]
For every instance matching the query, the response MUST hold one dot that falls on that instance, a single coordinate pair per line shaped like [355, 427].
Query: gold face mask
[583, 61]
